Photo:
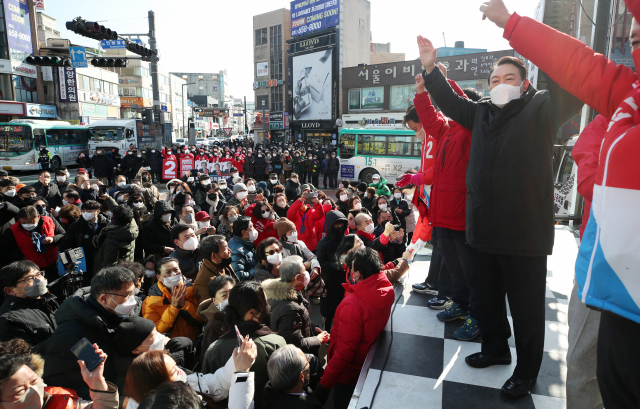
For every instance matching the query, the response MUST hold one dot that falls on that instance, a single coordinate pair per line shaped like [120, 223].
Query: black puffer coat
[29, 319]
[331, 270]
[156, 235]
[102, 165]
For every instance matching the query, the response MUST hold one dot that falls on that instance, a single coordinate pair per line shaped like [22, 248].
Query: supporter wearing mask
[396, 246]
[227, 194]
[292, 188]
[84, 162]
[239, 199]
[290, 310]
[228, 216]
[34, 238]
[151, 193]
[22, 388]
[82, 233]
[154, 160]
[262, 217]
[368, 196]
[280, 205]
[351, 218]
[211, 310]
[332, 170]
[204, 222]
[305, 216]
[273, 181]
[380, 184]
[71, 197]
[24, 194]
[260, 167]
[186, 252]
[167, 298]
[299, 166]
[47, 189]
[342, 196]
[203, 187]
[117, 240]
[93, 317]
[354, 203]
[249, 310]
[365, 232]
[382, 204]
[216, 256]
[243, 249]
[269, 256]
[8, 189]
[156, 234]
[120, 184]
[28, 308]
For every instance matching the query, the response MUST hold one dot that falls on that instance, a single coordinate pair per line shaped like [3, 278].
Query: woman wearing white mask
[227, 217]
[382, 203]
[172, 287]
[269, 256]
[212, 310]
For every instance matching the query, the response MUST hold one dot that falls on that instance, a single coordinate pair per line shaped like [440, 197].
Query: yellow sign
[73, 121]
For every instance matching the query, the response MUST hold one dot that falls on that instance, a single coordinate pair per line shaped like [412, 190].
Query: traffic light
[50, 61]
[140, 50]
[91, 29]
[147, 116]
[109, 62]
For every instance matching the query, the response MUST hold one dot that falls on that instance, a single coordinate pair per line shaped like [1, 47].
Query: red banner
[169, 169]
[186, 165]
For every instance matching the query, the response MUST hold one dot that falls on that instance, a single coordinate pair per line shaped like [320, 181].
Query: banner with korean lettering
[169, 169]
[67, 85]
[16, 16]
[186, 165]
[308, 16]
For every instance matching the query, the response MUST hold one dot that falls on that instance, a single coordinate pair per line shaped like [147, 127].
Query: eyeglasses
[31, 278]
[138, 201]
[272, 252]
[129, 294]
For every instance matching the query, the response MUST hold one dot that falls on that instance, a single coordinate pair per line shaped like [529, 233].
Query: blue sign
[347, 171]
[308, 16]
[237, 115]
[78, 57]
[16, 16]
[163, 108]
[117, 44]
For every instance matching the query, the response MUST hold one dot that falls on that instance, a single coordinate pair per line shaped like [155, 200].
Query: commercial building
[381, 93]
[271, 30]
[381, 53]
[179, 105]
[325, 38]
[206, 90]
[47, 29]
[458, 49]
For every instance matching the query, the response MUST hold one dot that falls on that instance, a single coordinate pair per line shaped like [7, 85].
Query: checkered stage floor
[426, 367]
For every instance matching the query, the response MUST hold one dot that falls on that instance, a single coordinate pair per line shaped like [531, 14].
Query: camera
[397, 227]
[70, 260]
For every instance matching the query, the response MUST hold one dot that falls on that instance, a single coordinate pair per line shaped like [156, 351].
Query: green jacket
[299, 165]
[266, 341]
[381, 187]
[115, 243]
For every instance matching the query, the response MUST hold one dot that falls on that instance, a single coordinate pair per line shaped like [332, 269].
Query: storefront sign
[94, 110]
[12, 108]
[267, 84]
[16, 16]
[68, 84]
[22, 69]
[141, 102]
[113, 112]
[312, 125]
[286, 120]
[308, 16]
[311, 44]
[47, 73]
[41, 111]
[40, 5]
[262, 69]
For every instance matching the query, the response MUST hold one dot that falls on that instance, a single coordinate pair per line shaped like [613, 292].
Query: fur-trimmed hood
[38, 362]
[275, 289]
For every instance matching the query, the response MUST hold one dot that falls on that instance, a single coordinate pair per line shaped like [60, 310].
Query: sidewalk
[426, 367]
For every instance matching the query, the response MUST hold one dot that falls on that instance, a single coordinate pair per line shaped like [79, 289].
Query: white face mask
[204, 224]
[28, 226]
[253, 235]
[306, 278]
[357, 206]
[281, 203]
[61, 179]
[274, 181]
[10, 193]
[266, 214]
[124, 309]
[206, 182]
[343, 198]
[121, 184]
[502, 94]
[293, 237]
[235, 175]
[251, 188]
[382, 206]
[157, 344]
[32, 398]
[369, 229]
[241, 195]
[165, 218]
[397, 195]
[149, 273]
[108, 214]
[275, 258]
[224, 304]
[88, 216]
[410, 197]
[138, 205]
[223, 187]
[172, 281]
[233, 218]
[190, 244]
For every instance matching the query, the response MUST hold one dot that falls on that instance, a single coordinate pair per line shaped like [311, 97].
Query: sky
[213, 35]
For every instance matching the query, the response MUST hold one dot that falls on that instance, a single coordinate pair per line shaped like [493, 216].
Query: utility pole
[264, 126]
[246, 128]
[154, 73]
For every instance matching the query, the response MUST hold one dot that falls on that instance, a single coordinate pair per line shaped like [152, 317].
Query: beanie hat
[362, 187]
[305, 187]
[205, 177]
[262, 185]
[283, 225]
[131, 332]
[239, 187]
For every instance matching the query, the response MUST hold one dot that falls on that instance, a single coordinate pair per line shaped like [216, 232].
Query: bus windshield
[107, 134]
[15, 138]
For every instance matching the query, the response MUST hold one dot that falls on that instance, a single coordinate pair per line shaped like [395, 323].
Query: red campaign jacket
[447, 204]
[358, 322]
[309, 218]
[23, 240]
[237, 162]
[168, 157]
[586, 152]
[265, 227]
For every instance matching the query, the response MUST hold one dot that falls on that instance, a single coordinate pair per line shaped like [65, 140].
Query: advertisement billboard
[262, 69]
[16, 15]
[308, 16]
[312, 79]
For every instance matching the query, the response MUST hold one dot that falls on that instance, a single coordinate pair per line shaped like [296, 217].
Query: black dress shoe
[480, 360]
[516, 388]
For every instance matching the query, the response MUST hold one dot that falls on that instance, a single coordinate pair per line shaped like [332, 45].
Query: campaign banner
[16, 16]
[169, 169]
[308, 16]
[186, 166]
[68, 85]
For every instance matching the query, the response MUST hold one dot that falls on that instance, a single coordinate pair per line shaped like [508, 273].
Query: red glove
[414, 179]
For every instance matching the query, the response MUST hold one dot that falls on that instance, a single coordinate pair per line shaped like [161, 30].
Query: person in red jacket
[305, 218]
[359, 320]
[185, 155]
[262, 217]
[238, 161]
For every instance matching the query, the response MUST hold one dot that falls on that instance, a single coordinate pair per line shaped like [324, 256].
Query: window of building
[354, 98]
[86, 82]
[6, 90]
[97, 85]
[107, 88]
[141, 71]
[261, 36]
[366, 98]
[164, 97]
[277, 103]
[361, 22]
[4, 49]
[114, 89]
[402, 96]
[25, 89]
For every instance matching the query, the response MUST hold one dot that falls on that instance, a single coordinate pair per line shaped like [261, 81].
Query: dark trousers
[303, 178]
[434, 267]
[324, 179]
[314, 179]
[462, 263]
[342, 395]
[523, 280]
[333, 180]
[618, 362]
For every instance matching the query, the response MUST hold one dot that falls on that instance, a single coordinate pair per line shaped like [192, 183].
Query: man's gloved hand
[410, 179]
[321, 393]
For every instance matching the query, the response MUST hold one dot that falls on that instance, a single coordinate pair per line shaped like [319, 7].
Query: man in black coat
[156, 234]
[333, 167]
[47, 189]
[27, 311]
[8, 212]
[62, 180]
[102, 166]
[154, 160]
[94, 317]
[510, 216]
[260, 167]
[82, 232]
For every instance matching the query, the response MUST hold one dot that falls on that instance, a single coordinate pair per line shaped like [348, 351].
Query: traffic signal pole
[154, 72]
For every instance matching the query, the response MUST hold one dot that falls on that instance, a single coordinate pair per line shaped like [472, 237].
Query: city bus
[20, 141]
[387, 151]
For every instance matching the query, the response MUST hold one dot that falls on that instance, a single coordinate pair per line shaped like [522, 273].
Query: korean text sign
[312, 15]
[16, 15]
[68, 84]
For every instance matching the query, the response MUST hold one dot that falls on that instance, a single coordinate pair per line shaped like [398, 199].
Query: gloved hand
[410, 179]
[321, 393]
[417, 246]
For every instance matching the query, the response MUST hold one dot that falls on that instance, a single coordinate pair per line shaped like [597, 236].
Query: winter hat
[283, 225]
[131, 332]
[4, 173]
[306, 187]
[239, 187]
[201, 216]
[262, 185]
[205, 177]
[362, 187]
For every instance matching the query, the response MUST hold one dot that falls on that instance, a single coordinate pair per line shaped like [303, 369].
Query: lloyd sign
[313, 43]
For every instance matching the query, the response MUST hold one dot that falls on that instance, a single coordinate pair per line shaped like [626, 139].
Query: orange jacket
[167, 318]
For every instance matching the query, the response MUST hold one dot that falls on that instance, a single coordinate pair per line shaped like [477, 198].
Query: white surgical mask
[165, 218]
[149, 273]
[241, 195]
[206, 182]
[275, 258]
[190, 244]
[306, 279]
[274, 180]
[138, 205]
[28, 226]
[124, 309]
[251, 188]
[88, 216]
[235, 175]
[157, 344]
[357, 206]
[382, 206]
[223, 187]
[61, 179]
[266, 214]
[397, 195]
[233, 218]
[172, 281]
[10, 193]
[191, 202]
[293, 237]
[121, 184]
[369, 229]
[204, 224]
[410, 197]
[253, 235]
[343, 198]
[502, 94]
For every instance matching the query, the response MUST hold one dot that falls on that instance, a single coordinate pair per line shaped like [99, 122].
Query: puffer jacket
[156, 235]
[290, 315]
[30, 319]
[305, 222]
[155, 161]
[184, 322]
[264, 226]
[358, 321]
[447, 202]
[607, 266]
[243, 259]
[331, 272]
[102, 165]
[381, 187]
[115, 243]
[292, 190]
[81, 234]
[249, 166]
